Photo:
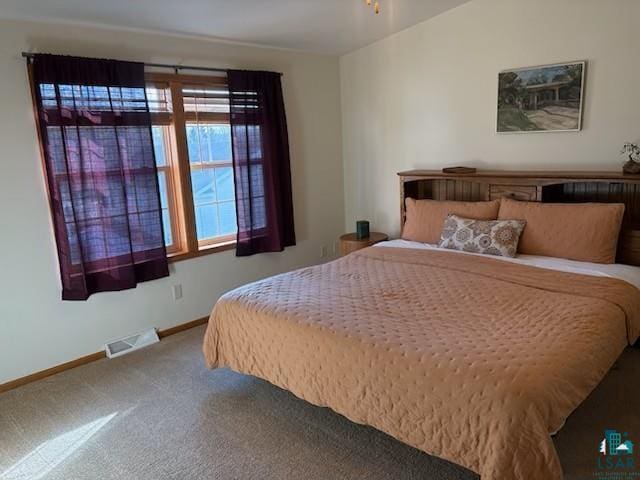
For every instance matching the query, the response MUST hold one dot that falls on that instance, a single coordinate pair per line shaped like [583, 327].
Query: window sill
[215, 248]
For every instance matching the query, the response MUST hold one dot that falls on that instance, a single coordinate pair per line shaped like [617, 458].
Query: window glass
[224, 183]
[203, 184]
[164, 205]
[208, 142]
[209, 146]
[227, 218]
[162, 162]
[159, 99]
[159, 145]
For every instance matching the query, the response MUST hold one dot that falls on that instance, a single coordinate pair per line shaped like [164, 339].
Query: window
[212, 181]
[192, 143]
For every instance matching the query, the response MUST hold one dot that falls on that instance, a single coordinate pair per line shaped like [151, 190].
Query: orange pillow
[587, 232]
[425, 218]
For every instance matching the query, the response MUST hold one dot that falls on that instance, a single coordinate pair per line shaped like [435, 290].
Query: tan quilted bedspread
[468, 358]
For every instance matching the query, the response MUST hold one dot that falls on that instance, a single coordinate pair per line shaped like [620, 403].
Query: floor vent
[129, 344]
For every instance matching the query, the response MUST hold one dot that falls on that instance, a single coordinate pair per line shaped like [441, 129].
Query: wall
[37, 329]
[426, 97]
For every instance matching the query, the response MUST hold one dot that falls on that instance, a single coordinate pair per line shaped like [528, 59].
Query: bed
[475, 359]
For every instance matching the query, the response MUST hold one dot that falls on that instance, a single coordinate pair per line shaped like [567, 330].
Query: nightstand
[350, 243]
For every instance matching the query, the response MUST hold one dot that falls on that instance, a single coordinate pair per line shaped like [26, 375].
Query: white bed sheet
[627, 273]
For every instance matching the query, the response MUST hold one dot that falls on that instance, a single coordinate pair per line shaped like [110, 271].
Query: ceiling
[323, 26]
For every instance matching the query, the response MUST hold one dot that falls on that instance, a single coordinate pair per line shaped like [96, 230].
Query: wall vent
[129, 344]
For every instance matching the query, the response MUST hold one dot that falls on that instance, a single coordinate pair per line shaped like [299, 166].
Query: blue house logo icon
[613, 444]
[616, 452]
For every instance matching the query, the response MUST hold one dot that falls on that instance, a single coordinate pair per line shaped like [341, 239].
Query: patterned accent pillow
[489, 237]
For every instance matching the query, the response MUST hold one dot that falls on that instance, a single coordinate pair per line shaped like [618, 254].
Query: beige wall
[37, 329]
[426, 97]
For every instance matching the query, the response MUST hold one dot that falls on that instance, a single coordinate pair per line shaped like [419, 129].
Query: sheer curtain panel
[260, 147]
[95, 130]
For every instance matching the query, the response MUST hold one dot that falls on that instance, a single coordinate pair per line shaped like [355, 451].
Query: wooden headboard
[563, 187]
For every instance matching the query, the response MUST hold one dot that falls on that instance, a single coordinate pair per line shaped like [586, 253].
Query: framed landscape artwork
[547, 98]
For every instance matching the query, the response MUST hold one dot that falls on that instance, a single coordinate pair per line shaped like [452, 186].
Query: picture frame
[542, 98]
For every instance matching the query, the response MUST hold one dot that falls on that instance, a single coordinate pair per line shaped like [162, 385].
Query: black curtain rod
[176, 68]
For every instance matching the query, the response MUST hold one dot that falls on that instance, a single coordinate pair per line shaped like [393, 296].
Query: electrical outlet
[323, 250]
[177, 292]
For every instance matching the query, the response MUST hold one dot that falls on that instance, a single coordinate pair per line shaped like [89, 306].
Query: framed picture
[547, 98]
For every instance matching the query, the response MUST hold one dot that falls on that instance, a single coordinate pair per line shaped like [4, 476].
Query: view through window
[192, 144]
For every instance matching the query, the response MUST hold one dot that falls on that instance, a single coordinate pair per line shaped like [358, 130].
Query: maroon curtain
[95, 129]
[261, 165]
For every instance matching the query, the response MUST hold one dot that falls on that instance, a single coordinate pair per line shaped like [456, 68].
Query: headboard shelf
[538, 175]
[535, 186]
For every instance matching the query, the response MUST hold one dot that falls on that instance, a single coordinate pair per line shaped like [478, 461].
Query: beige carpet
[159, 414]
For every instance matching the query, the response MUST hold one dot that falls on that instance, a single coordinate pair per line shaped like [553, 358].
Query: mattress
[470, 358]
